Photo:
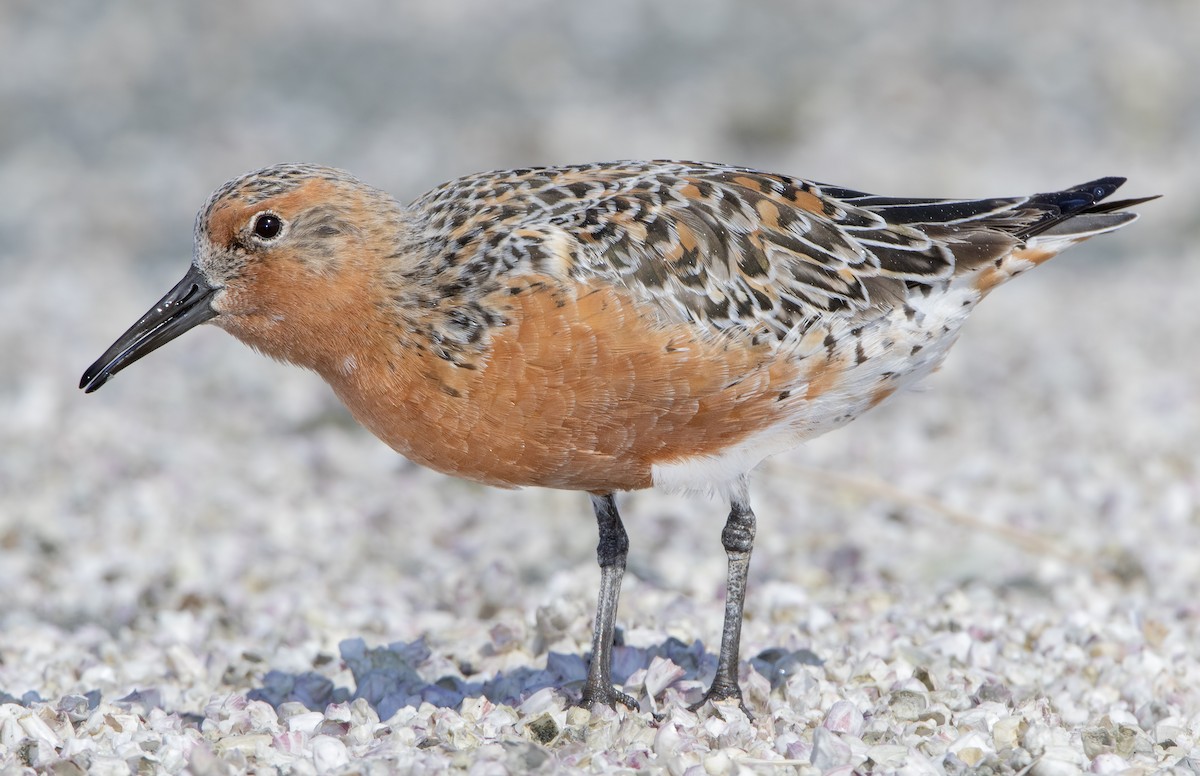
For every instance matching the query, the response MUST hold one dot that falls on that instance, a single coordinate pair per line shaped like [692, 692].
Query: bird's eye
[267, 226]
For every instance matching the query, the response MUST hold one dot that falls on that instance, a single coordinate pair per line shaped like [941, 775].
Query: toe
[607, 696]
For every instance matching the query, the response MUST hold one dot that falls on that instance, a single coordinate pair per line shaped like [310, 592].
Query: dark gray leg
[611, 552]
[738, 538]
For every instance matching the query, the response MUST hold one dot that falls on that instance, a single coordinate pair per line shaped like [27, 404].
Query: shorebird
[606, 327]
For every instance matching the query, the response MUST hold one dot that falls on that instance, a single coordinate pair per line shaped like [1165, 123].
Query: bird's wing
[729, 247]
[740, 249]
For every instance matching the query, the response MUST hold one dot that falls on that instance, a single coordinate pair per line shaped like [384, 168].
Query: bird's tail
[1075, 214]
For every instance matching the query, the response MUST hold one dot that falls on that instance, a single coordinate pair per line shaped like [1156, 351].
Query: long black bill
[186, 305]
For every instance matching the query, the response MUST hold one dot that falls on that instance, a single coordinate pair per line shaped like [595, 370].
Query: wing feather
[730, 248]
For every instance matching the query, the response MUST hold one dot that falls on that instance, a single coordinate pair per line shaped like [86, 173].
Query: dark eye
[267, 226]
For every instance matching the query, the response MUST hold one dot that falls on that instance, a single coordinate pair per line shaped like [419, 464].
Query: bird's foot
[723, 691]
[606, 695]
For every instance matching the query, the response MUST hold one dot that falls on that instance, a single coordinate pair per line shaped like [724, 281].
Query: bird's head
[283, 260]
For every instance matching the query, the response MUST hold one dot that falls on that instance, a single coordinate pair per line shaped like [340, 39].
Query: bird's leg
[610, 552]
[738, 539]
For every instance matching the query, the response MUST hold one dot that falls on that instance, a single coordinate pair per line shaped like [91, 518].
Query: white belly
[888, 354]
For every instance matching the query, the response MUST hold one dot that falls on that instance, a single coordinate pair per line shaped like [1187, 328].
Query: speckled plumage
[606, 327]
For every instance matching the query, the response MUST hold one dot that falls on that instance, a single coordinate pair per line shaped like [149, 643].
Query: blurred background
[212, 481]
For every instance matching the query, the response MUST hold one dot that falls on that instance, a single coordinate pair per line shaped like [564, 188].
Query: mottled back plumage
[727, 247]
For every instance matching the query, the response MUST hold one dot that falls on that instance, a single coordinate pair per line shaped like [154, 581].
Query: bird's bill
[186, 305]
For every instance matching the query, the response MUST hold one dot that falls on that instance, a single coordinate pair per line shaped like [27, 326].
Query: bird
[606, 327]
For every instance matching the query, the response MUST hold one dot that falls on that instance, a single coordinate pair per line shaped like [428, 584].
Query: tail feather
[1078, 212]
[1077, 229]
[1120, 204]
